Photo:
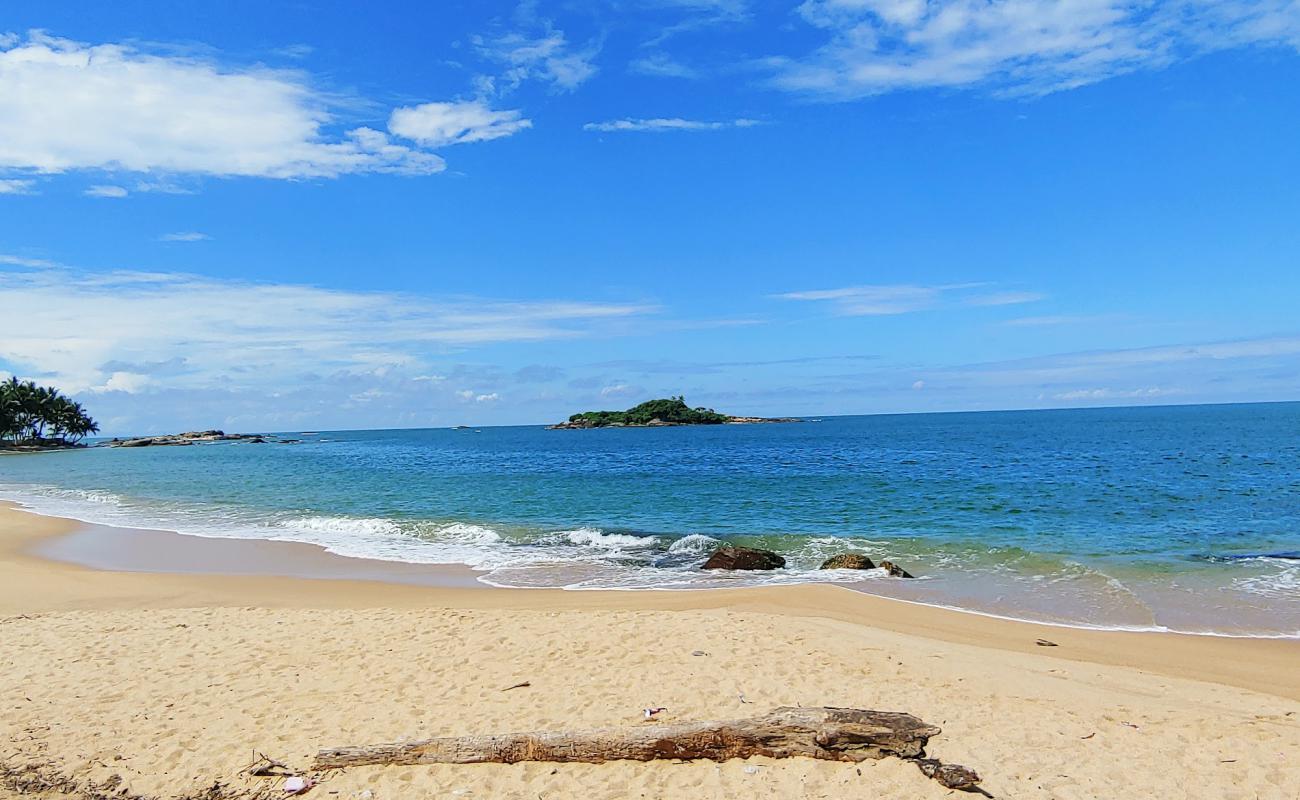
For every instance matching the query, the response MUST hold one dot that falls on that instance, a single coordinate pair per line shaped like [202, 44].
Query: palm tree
[28, 412]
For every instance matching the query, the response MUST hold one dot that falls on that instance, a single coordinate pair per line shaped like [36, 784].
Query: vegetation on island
[670, 411]
[40, 417]
[656, 413]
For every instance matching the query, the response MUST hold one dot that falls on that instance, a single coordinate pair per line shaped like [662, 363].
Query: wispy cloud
[106, 191]
[67, 105]
[696, 15]
[184, 236]
[1105, 394]
[535, 50]
[16, 186]
[662, 65]
[67, 325]
[662, 125]
[883, 300]
[1005, 298]
[22, 261]
[1016, 47]
[1053, 320]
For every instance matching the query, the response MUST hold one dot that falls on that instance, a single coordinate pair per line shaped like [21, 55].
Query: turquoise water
[1185, 518]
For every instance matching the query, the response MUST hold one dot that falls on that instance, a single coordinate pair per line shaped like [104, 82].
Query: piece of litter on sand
[742, 697]
[523, 685]
[296, 785]
[1130, 725]
[751, 770]
[650, 712]
[1046, 643]
[1089, 736]
[699, 653]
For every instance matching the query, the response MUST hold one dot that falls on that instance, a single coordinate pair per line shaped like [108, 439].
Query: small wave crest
[342, 525]
[694, 544]
[466, 533]
[594, 537]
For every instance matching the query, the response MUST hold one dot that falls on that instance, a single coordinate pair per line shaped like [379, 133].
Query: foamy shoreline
[405, 564]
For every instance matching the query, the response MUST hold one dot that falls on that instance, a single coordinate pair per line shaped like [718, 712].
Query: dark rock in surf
[848, 561]
[894, 570]
[731, 557]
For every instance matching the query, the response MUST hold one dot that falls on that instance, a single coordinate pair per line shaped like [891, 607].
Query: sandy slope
[170, 682]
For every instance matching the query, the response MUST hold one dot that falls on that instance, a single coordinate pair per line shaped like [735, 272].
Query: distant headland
[662, 413]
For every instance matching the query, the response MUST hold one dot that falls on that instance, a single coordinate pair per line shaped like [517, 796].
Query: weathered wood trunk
[834, 734]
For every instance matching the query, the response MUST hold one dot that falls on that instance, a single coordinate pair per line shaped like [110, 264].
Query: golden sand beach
[164, 685]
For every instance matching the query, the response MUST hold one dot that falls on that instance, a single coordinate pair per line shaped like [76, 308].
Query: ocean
[1179, 518]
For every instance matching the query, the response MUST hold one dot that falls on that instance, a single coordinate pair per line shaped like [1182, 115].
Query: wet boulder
[895, 570]
[732, 557]
[848, 561]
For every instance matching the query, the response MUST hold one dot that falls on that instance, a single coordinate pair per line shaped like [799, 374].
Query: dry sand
[168, 683]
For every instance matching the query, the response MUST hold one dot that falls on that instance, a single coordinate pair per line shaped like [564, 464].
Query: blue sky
[307, 215]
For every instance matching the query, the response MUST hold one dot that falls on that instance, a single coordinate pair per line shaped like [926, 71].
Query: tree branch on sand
[832, 734]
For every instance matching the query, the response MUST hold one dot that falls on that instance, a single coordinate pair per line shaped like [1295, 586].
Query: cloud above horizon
[67, 105]
[77, 329]
[661, 125]
[891, 299]
[1015, 47]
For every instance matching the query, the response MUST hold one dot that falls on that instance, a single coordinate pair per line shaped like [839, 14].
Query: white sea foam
[466, 533]
[1283, 584]
[593, 537]
[367, 526]
[693, 544]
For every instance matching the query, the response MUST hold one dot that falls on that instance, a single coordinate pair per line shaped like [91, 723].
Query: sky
[314, 215]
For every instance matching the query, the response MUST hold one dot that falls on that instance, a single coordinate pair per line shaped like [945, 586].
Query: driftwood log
[832, 734]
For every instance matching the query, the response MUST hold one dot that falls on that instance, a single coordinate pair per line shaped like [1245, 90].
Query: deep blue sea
[1183, 518]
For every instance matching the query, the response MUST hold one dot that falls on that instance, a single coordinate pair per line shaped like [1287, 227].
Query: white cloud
[441, 124]
[1016, 46]
[545, 56]
[883, 300]
[618, 390]
[102, 190]
[1060, 319]
[22, 261]
[16, 186]
[79, 329]
[699, 14]
[1103, 394]
[68, 105]
[661, 65]
[1005, 298]
[185, 236]
[669, 124]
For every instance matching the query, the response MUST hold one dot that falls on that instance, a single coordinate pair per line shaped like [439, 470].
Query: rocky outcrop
[895, 570]
[732, 557]
[186, 438]
[848, 561]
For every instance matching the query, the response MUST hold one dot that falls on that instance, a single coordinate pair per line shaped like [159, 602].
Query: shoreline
[83, 549]
[288, 571]
[161, 684]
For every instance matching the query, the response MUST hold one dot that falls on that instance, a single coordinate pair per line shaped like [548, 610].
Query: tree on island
[41, 416]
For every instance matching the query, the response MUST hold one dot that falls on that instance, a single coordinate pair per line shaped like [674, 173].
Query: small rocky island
[662, 413]
[197, 437]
